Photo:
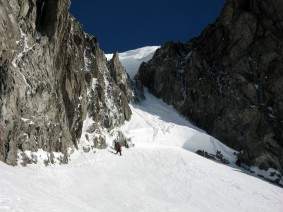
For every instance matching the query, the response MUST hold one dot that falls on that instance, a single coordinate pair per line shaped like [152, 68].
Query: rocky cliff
[229, 80]
[52, 77]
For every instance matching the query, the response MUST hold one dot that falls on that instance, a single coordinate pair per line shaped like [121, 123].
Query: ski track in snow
[161, 173]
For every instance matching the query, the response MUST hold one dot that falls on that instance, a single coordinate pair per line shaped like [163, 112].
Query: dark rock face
[229, 80]
[53, 75]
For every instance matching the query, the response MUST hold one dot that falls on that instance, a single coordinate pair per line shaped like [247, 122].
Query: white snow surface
[132, 59]
[161, 173]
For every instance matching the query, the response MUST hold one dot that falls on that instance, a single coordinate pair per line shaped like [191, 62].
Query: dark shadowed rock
[229, 80]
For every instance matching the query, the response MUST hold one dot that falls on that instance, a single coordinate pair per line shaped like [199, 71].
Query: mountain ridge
[228, 81]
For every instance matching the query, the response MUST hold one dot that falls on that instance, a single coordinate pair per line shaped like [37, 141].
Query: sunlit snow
[132, 59]
[161, 173]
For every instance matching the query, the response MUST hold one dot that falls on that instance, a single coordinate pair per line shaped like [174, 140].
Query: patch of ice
[256, 86]
[24, 119]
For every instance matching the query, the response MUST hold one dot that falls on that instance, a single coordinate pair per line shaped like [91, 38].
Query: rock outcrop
[52, 77]
[229, 80]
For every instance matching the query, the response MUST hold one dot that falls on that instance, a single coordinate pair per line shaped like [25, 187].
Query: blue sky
[129, 24]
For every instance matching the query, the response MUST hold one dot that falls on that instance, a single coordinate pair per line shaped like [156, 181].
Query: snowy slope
[132, 59]
[142, 179]
[161, 173]
[155, 123]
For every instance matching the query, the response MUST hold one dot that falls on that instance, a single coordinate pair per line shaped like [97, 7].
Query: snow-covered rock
[53, 77]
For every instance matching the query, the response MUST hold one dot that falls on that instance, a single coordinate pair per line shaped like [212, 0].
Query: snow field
[154, 122]
[161, 173]
[132, 59]
[142, 179]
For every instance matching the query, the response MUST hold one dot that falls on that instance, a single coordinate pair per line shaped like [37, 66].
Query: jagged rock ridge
[229, 80]
[53, 76]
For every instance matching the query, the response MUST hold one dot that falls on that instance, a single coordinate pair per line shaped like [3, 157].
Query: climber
[118, 147]
[116, 141]
[238, 162]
